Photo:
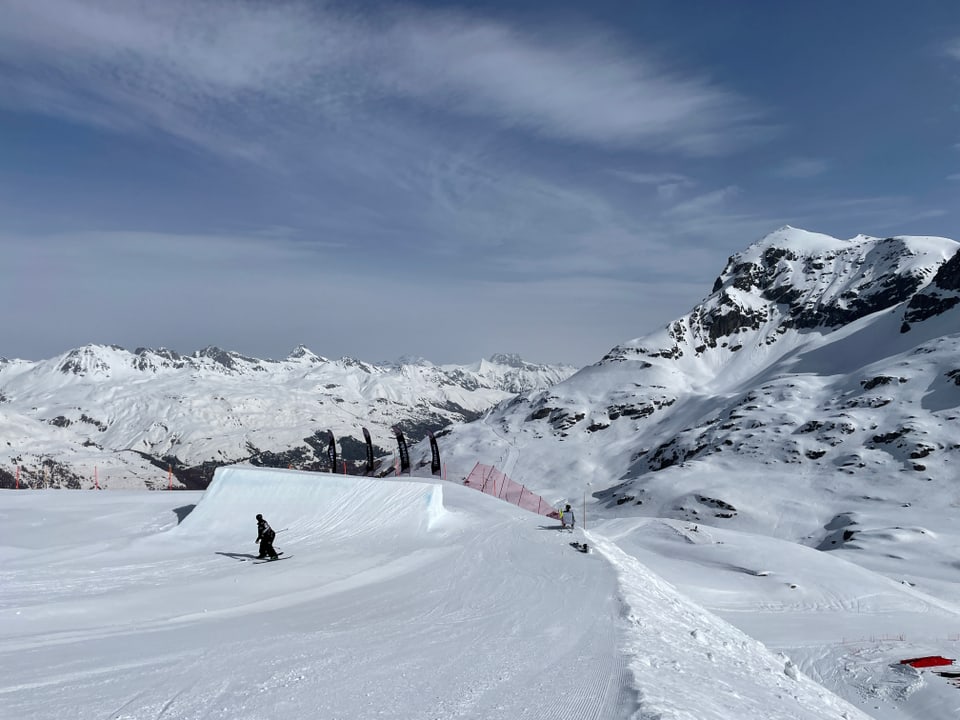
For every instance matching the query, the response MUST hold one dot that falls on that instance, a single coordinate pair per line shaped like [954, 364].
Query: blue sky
[445, 180]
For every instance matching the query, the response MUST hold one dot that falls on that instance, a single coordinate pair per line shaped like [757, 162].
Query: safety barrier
[487, 479]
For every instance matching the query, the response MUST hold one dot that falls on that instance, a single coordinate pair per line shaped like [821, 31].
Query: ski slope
[407, 599]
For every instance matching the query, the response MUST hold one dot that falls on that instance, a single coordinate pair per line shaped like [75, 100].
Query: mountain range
[833, 362]
[101, 415]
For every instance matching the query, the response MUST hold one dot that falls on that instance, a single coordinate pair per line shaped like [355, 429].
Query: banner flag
[434, 455]
[366, 437]
[332, 453]
[404, 455]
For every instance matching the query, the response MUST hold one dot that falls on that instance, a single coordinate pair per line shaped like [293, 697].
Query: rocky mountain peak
[508, 359]
[804, 281]
[92, 359]
[228, 360]
[303, 353]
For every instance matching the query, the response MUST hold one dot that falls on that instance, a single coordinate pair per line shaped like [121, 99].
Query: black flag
[332, 453]
[434, 455]
[404, 455]
[366, 436]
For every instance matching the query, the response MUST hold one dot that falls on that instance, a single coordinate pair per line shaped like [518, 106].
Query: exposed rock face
[940, 296]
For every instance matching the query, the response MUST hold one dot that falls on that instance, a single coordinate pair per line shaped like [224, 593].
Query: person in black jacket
[265, 536]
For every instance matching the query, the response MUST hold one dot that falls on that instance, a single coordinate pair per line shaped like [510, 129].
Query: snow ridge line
[681, 653]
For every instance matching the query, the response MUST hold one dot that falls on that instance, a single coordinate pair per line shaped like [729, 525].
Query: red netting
[487, 479]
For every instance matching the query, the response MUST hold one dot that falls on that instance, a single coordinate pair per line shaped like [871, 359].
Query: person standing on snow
[567, 517]
[265, 536]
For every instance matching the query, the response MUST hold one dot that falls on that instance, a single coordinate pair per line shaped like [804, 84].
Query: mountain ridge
[100, 409]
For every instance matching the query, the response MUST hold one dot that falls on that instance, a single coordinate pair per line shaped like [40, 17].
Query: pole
[18, 477]
[583, 522]
[96, 482]
[169, 477]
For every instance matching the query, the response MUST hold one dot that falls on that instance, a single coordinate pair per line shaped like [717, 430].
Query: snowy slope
[401, 599]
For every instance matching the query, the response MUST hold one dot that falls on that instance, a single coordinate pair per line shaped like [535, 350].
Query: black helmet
[259, 516]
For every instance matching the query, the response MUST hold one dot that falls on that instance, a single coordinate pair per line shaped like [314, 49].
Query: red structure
[928, 661]
[487, 479]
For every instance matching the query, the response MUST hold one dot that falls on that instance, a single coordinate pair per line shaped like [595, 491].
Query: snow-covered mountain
[106, 415]
[836, 361]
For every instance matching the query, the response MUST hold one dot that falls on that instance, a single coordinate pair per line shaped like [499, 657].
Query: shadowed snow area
[398, 599]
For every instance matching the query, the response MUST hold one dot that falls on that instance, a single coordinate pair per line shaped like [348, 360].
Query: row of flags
[402, 449]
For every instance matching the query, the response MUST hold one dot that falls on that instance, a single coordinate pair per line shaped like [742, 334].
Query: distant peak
[302, 352]
[413, 360]
[159, 352]
[790, 242]
[509, 359]
[87, 359]
[799, 239]
[226, 358]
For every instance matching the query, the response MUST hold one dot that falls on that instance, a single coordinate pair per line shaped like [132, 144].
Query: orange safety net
[487, 479]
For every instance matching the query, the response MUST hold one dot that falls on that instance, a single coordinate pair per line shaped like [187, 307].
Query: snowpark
[420, 598]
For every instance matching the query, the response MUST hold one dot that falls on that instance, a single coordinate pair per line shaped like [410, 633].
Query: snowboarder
[567, 517]
[265, 536]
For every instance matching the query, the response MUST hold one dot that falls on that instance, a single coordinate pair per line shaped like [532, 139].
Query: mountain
[835, 361]
[153, 417]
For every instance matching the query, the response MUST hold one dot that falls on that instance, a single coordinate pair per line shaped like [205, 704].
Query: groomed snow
[400, 599]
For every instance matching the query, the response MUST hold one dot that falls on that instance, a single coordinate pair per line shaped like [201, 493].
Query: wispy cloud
[640, 178]
[172, 66]
[705, 202]
[668, 185]
[801, 168]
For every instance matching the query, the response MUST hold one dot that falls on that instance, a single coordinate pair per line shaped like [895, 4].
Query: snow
[419, 598]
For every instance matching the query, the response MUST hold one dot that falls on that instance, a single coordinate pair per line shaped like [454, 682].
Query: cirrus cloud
[265, 69]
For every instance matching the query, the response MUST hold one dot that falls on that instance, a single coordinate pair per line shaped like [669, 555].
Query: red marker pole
[169, 477]
[18, 477]
[96, 482]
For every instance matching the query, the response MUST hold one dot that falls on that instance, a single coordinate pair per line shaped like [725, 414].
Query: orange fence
[487, 479]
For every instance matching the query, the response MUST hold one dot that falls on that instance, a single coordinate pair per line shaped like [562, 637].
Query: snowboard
[581, 547]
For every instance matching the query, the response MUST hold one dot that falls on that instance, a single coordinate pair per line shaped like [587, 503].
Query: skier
[567, 516]
[265, 536]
